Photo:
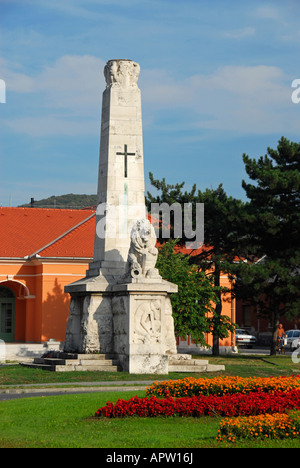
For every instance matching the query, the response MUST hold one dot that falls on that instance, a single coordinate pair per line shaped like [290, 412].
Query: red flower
[236, 404]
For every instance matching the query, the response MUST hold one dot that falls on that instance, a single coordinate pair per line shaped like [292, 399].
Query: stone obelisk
[122, 306]
[121, 187]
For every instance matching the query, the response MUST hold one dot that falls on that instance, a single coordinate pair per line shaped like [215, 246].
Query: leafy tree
[272, 227]
[196, 295]
[221, 230]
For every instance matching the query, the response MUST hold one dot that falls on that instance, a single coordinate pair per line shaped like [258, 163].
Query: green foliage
[195, 297]
[272, 227]
[274, 211]
[222, 228]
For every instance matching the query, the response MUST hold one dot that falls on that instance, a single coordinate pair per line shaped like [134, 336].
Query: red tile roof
[26, 232]
[47, 232]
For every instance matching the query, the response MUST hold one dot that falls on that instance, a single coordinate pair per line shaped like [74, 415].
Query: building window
[247, 316]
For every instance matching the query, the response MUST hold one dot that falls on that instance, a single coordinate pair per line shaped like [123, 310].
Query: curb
[94, 389]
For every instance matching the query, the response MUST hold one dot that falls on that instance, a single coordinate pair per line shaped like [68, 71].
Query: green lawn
[234, 365]
[68, 420]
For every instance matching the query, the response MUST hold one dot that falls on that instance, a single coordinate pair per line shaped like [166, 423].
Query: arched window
[7, 314]
[6, 292]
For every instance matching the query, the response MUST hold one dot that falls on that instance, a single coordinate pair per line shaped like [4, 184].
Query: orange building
[41, 251]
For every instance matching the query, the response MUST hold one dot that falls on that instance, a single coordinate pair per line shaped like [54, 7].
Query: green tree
[196, 295]
[272, 227]
[221, 230]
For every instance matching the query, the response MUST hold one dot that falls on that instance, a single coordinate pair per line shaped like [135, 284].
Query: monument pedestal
[143, 324]
[131, 320]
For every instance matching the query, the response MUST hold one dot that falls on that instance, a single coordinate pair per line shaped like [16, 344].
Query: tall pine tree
[272, 233]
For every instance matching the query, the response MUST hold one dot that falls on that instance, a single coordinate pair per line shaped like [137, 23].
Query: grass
[241, 365]
[68, 421]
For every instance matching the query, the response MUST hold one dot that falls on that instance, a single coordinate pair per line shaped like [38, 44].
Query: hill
[70, 200]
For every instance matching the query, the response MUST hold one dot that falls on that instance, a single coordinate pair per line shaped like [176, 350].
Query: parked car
[293, 339]
[244, 338]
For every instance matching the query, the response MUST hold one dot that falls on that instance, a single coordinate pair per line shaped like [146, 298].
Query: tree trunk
[218, 311]
[216, 347]
[275, 324]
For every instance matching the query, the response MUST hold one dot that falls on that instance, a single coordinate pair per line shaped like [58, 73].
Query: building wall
[247, 316]
[41, 306]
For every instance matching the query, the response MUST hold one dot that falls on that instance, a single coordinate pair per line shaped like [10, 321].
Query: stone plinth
[143, 326]
[132, 321]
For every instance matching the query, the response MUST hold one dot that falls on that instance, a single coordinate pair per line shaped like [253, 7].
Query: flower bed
[236, 404]
[222, 386]
[265, 426]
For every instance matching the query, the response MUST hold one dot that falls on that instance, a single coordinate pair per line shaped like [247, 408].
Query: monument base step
[185, 363]
[67, 362]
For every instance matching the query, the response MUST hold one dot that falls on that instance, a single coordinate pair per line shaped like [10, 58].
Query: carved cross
[125, 162]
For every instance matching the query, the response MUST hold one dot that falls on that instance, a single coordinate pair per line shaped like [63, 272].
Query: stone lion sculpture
[142, 254]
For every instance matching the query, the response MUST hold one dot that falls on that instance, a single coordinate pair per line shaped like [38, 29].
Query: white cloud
[72, 81]
[66, 94]
[15, 80]
[254, 99]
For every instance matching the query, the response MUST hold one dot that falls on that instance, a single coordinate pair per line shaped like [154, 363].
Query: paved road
[262, 350]
[11, 392]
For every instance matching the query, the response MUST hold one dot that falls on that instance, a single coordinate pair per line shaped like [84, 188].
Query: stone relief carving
[142, 254]
[122, 73]
[171, 347]
[147, 322]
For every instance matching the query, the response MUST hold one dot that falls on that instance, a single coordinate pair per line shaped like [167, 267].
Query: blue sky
[215, 78]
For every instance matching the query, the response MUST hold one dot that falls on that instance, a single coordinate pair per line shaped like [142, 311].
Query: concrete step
[67, 362]
[190, 362]
[94, 362]
[76, 356]
[179, 364]
[215, 368]
[94, 357]
[185, 368]
[74, 362]
[81, 368]
[70, 367]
